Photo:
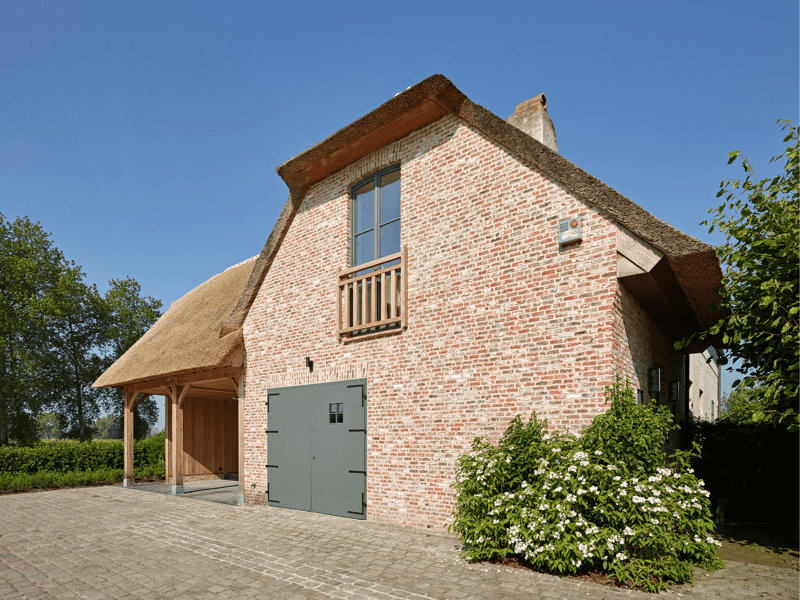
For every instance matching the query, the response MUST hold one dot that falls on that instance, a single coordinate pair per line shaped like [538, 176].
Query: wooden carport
[200, 373]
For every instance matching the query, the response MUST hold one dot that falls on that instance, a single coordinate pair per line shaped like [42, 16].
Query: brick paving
[110, 542]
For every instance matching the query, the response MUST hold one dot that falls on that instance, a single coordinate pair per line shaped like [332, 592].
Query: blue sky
[145, 135]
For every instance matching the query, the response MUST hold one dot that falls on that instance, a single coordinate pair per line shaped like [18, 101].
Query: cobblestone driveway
[112, 542]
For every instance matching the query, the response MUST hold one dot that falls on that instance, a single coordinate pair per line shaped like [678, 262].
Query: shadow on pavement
[222, 491]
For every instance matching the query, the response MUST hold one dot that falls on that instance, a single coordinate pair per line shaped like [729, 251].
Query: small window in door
[336, 412]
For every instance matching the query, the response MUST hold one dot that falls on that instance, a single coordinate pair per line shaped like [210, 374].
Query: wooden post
[177, 438]
[168, 437]
[128, 437]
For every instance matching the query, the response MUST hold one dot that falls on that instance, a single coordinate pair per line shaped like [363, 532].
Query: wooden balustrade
[371, 301]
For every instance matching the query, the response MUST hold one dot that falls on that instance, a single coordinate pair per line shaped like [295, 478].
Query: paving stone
[117, 543]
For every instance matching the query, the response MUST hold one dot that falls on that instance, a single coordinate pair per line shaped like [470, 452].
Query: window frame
[376, 224]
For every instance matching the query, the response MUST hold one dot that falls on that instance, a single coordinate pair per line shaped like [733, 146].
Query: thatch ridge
[694, 263]
[186, 338]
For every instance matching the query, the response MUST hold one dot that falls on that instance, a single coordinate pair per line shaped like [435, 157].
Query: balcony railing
[373, 301]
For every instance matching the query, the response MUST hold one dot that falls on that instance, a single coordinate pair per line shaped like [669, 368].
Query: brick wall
[640, 344]
[501, 320]
[704, 391]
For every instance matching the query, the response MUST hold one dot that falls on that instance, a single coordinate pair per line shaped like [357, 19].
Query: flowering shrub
[547, 498]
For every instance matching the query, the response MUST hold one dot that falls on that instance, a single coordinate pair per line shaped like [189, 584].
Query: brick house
[435, 271]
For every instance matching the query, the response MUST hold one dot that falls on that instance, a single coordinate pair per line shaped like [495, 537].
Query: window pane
[390, 196]
[365, 207]
[390, 238]
[365, 248]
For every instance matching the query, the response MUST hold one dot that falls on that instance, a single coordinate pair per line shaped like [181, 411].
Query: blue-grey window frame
[376, 226]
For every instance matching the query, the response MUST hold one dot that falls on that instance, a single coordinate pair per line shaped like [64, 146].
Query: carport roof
[186, 338]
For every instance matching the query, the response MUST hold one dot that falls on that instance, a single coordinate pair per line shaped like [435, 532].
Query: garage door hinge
[363, 395]
[362, 472]
[363, 506]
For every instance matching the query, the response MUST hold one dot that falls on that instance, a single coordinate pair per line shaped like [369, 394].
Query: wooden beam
[177, 444]
[235, 385]
[637, 251]
[140, 399]
[168, 437]
[404, 291]
[625, 268]
[130, 398]
[159, 385]
[182, 393]
[153, 387]
[209, 375]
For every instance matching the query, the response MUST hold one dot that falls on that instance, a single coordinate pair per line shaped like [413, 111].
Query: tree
[77, 321]
[740, 405]
[29, 269]
[759, 295]
[130, 316]
[58, 334]
[51, 424]
[107, 427]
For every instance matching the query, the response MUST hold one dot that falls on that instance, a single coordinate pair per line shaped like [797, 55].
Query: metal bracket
[268, 397]
[363, 505]
[358, 430]
[363, 395]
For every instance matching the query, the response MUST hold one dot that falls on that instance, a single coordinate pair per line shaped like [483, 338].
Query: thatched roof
[693, 263]
[186, 338]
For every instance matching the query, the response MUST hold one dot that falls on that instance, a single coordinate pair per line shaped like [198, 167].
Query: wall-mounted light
[654, 380]
[309, 364]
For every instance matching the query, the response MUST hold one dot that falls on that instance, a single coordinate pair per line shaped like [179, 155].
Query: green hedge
[69, 456]
[751, 470]
[21, 482]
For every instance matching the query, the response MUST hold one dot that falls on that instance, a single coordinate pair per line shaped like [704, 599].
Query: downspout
[686, 382]
[719, 389]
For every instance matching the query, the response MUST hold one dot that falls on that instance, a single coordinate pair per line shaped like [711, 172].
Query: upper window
[376, 217]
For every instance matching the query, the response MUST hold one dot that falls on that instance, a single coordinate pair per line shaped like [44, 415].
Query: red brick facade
[501, 320]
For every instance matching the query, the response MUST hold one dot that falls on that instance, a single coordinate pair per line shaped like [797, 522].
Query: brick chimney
[532, 118]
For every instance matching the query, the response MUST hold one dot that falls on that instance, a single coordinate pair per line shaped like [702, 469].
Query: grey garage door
[317, 448]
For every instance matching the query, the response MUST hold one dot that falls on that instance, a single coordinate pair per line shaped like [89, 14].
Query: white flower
[597, 452]
[620, 556]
